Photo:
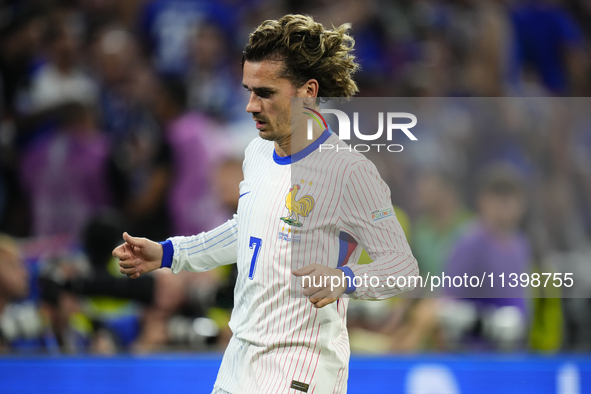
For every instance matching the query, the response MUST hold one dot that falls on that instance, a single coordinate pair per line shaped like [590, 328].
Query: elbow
[413, 277]
[415, 268]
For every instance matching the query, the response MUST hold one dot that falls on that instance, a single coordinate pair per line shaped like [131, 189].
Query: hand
[327, 290]
[138, 256]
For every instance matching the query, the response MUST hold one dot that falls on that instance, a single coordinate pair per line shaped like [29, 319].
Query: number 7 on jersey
[256, 244]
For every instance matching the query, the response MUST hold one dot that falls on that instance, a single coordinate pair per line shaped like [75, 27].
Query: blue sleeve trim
[167, 252]
[351, 282]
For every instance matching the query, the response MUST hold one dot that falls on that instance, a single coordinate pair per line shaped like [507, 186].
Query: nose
[254, 104]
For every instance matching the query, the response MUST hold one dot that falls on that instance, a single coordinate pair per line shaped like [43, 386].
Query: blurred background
[130, 115]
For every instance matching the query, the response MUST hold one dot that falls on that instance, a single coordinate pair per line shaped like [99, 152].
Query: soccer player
[301, 213]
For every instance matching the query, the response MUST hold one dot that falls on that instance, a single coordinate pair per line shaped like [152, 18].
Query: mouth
[260, 125]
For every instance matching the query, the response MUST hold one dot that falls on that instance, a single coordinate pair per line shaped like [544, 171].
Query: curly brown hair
[309, 51]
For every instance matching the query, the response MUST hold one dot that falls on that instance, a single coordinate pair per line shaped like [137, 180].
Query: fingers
[125, 253]
[129, 263]
[321, 303]
[316, 292]
[121, 253]
[130, 268]
[304, 270]
[133, 241]
[314, 283]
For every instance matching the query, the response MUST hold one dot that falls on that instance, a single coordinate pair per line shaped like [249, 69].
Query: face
[428, 191]
[208, 46]
[14, 277]
[502, 212]
[65, 48]
[115, 55]
[270, 98]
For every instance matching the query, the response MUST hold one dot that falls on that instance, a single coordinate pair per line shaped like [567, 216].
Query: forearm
[368, 216]
[394, 269]
[385, 277]
[202, 252]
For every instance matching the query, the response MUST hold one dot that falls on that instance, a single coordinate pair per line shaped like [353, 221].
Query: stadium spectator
[478, 36]
[370, 38]
[21, 325]
[548, 50]
[195, 147]
[140, 165]
[166, 27]
[20, 56]
[14, 277]
[62, 79]
[116, 62]
[213, 79]
[64, 175]
[441, 220]
[493, 244]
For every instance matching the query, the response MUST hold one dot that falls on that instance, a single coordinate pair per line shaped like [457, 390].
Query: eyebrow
[260, 90]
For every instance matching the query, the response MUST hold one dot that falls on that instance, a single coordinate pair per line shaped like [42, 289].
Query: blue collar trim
[304, 152]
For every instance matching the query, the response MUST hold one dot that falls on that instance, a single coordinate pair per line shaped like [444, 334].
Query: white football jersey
[313, 207]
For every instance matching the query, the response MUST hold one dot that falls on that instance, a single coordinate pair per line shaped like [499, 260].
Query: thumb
[303, 271]
[133, 241]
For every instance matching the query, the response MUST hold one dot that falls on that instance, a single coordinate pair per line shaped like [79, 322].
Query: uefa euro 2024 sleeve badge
[297, 206]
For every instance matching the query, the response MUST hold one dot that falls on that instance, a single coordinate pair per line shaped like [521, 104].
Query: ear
[309, 89]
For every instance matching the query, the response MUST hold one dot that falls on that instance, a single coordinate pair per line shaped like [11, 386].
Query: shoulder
[257, 148]
[257, 152]
[335, 155]
[473, 235]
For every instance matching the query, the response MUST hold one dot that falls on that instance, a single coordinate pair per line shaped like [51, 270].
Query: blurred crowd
[130, 116]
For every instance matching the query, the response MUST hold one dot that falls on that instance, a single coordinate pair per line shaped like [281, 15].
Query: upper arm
[367, 212]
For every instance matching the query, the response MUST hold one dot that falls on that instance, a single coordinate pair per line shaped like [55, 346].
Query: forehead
[266, 73]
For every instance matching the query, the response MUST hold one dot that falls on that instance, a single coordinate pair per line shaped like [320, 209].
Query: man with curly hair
[283, 343]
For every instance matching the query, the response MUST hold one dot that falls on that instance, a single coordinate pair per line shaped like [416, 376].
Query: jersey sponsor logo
[382, 213]
[299, 386]
[297, 207]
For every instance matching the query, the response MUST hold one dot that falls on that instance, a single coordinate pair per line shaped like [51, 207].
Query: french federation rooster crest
[297, 208]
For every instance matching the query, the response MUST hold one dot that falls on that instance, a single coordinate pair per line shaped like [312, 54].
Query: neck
[498, 230]
[283, 146]
[64, 68]
[297, 141]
